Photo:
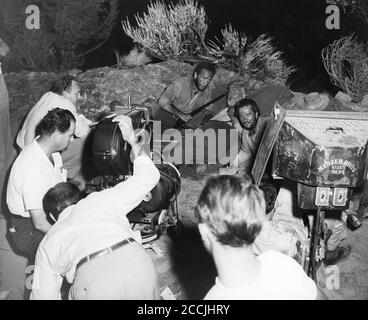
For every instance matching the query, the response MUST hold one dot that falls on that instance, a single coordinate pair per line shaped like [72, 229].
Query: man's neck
[236, 267]
[46, 146]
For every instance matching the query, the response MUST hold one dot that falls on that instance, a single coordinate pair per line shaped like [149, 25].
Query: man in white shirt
[231, 212]
[91, 242]
[37, 168]
[64, 94]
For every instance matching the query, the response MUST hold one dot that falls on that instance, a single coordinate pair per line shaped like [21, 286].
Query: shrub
[258, 59]
[179, 32]
[133, 59]
[170, 31]
[346, 62]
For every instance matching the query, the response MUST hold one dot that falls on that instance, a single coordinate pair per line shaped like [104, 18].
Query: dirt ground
[185, 267]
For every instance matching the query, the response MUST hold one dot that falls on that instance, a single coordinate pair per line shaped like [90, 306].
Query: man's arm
[173, 91]
[39, 220]
[234, 120]
[46, 281]
[33, 191]
[128, 194]
[165, 104]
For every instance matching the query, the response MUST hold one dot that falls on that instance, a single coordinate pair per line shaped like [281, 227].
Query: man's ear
[195, 75]
[52, 217]
[205, 232]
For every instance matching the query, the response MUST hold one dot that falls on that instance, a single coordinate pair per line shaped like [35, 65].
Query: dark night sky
[298, 28]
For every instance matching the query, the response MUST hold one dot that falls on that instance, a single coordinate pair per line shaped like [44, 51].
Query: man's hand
[185, 117]
[126, 128]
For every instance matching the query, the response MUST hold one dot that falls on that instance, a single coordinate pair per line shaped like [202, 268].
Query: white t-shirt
[281, 278]
[31, 176]
[48, 102]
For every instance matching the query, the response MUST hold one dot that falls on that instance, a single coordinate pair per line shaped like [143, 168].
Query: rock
[343, 97]
[364, 102]
[346, 100]
[101, 85]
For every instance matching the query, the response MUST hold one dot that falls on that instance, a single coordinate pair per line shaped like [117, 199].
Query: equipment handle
[335, 129]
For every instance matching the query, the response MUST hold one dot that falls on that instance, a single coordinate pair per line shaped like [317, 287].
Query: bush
[133, 59]
[170, 31]
[179, 32]
[346, 62]
[259, 59]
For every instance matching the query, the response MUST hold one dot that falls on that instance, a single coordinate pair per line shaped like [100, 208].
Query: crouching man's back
[92, 245]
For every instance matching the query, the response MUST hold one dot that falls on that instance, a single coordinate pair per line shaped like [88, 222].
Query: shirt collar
[66, 213]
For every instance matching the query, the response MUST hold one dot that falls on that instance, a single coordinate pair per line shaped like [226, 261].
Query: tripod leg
[316, 243]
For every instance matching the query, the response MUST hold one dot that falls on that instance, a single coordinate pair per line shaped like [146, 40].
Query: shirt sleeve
[34, 188]
[173, 91]
[46, 281]
[126, 195]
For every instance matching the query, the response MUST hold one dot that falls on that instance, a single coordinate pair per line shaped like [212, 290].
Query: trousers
[26, 238]
[127, 273]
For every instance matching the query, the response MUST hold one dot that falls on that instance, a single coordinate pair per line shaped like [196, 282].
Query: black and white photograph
[203, 151]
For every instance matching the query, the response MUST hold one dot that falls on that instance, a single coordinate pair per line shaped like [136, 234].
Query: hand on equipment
[126, 128]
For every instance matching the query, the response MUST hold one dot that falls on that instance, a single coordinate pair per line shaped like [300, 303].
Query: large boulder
[101, 85]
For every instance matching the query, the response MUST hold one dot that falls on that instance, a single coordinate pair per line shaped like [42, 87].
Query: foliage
[258, 59]
[346, 62]
[69, 30]
[133, 59]
[170, 31]
[227, 53]
[179, 32]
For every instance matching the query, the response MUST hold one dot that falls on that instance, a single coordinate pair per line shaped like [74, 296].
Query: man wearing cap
[91, 242]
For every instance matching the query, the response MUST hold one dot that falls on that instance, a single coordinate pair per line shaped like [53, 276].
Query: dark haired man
[231, 212]
[91, 242]
[37, 168]
[64, 94]
[188, 93]
[250, 125]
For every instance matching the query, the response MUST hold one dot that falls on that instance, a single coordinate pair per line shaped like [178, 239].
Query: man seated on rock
[188, 94]
[184, 97]
[63, 94]
[37, 168]
[91, 242]
[231, 212]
